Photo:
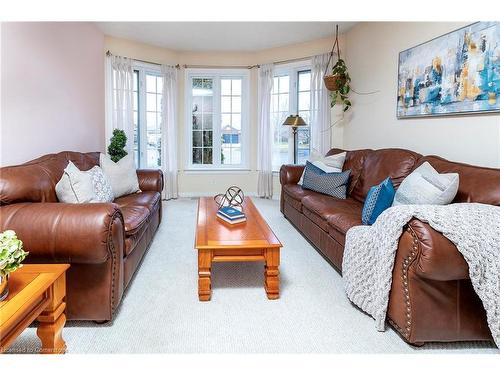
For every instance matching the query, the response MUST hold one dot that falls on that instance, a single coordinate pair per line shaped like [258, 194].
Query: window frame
[292, 70]
[217, 75]
[143, 69]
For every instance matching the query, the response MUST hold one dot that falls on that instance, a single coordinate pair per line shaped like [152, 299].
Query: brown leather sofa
[103, 242]
[431, 298]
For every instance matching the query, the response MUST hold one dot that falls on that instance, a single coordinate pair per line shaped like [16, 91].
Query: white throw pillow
[75, 186]
[426, 186]
[329, 164]
[122, 174]
[102, 186]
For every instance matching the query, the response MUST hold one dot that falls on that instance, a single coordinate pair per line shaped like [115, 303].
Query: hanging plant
[338, 82]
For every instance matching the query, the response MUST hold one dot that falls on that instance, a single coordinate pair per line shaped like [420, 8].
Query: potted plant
[11, 256]
[338, 82]
[116, 148]
[339, 85]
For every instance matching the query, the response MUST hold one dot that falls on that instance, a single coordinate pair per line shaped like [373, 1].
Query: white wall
[52, 89]
[372, 58]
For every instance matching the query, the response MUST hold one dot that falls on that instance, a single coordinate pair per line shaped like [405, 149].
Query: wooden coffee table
[36, 292]
[250, 241]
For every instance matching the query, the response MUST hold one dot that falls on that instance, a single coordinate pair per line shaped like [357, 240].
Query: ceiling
[222, 36]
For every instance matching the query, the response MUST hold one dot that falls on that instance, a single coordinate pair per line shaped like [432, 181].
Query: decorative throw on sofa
[334, 184]
[370, 251]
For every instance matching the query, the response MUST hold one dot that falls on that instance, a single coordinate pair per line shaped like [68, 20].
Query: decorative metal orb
[233, 197]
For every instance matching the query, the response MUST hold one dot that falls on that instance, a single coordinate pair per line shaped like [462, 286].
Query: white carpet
[160, 312]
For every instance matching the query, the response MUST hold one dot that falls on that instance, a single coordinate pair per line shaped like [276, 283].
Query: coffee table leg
[52, 320]
[271, 274]
[204, 274]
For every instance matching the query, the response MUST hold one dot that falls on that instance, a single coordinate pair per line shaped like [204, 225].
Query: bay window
[217, 114]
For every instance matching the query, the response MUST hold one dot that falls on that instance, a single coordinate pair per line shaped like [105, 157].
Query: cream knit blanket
[370, 251]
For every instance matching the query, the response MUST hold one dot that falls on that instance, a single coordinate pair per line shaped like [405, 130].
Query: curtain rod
[186, 66]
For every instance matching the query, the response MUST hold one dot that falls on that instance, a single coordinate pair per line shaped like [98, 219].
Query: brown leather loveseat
[431, 298]
[103, 242]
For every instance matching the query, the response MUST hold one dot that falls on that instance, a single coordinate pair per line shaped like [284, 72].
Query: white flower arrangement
[11, 252]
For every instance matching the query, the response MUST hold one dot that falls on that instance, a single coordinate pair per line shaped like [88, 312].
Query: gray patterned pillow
[426, 186]
[102, 187]
[334, 184]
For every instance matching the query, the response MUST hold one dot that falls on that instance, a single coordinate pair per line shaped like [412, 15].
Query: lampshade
[294, 120]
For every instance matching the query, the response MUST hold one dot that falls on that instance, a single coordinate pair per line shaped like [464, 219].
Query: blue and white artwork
[457, 73]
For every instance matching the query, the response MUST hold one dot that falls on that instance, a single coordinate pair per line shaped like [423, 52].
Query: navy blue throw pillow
[378, 199]
[334, 184]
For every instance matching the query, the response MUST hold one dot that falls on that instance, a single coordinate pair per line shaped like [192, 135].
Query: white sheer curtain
[169, 131]
[265, 134]
[119, 98]
[320, 106]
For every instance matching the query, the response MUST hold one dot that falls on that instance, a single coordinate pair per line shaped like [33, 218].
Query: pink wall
[52, 89]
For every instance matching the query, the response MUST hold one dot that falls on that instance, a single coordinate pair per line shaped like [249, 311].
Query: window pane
[197, 141]
[196, 122]
[150, 83]
[159, 85]
[274, 103]
[151, 120]
[304, 101]
[197, 152]
[225, 121]
[207, 121]
[225, 104]
[208, 104]
[153, 150]
[236, 87]
[283, 103]
[236, 121]
[197, 100]
[158, 103]
[284, 84]
[207, 139]
[151, 102]
[225, 86]
[236, 155]
[207, 156]
[304, 81]
[225, 154]
[275, 85]
[236, 104]
[136, 80]
[208, 83]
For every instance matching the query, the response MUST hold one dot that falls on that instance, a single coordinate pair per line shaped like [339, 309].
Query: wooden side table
[36, 292]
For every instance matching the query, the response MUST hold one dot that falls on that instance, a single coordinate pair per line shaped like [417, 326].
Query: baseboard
[191, 194]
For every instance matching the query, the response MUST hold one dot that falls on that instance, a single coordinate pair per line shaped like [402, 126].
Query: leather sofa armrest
[290, 173]
[150, 179]
[437, 258]
[67, 233]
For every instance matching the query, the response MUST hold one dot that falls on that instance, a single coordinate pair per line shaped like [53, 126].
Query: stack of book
[231, 215]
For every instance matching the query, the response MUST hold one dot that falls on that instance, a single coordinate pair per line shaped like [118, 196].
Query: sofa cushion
[344, 213]
[147, 199]
[380, 164]
[135, 217]
[293, 194]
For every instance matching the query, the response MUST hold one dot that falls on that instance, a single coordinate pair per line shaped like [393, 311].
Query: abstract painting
[457, 73]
